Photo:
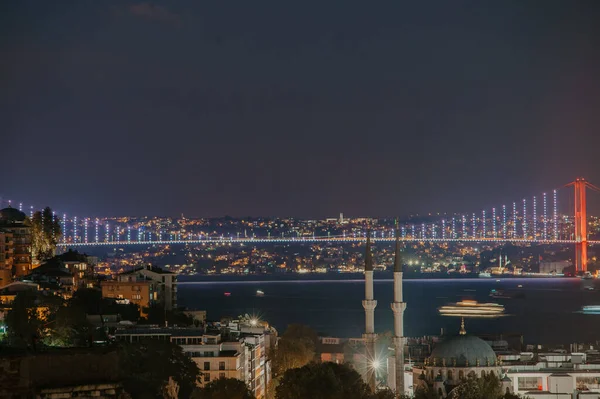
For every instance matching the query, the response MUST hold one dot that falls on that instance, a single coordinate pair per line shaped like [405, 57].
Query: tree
[322, 381]
[224, 388]
[296, 348]
[156, 315]
[488, 387]
[149, 366]
[69, 327]
[290, 354]
[45, 234]
[24, 321]
[425, 392]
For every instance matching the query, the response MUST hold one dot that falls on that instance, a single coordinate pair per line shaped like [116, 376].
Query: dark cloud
[153, 12]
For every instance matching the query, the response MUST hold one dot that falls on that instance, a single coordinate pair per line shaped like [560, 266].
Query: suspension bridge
[528, 221]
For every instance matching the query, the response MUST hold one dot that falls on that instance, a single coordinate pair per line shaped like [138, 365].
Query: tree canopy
[45, 234]
[152, 365]
[294, 349]
[322, 381]
[224, 388]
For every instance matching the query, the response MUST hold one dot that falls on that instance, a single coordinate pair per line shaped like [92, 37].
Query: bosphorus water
[548, 314]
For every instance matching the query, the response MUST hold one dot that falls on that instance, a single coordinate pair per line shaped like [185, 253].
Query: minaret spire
[398, 307]
[369, 304]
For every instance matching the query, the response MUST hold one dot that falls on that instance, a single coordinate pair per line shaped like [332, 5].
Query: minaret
[398, 307]
[369, 304]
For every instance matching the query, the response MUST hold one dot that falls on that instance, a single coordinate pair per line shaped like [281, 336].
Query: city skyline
[169, 108]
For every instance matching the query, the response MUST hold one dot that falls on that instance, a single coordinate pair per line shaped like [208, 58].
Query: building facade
[166, 283]
[131, 289]
[16, 223]
[6, 257]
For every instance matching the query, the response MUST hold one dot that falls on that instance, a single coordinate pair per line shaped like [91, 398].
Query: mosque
[453, 359]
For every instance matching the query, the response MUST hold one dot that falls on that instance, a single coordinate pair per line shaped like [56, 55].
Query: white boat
[485, 274]
[471, 308]
[591, 309]
[259, 293]
[587, 276]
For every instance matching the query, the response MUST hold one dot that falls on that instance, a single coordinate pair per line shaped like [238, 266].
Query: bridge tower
[580, 225]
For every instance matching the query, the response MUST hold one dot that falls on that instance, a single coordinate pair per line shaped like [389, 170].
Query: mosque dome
[11, 216]
[463, 351]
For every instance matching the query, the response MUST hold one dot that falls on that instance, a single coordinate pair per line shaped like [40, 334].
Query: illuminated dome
[463, 351]
[10, 216]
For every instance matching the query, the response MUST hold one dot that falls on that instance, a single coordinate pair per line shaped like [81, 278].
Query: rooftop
[154, 269]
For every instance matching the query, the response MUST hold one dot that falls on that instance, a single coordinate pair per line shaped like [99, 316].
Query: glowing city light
[464, 226]
[555, 215]
[545, 219]
[97, 230]
[504, 221]
[444, 229]
[534, 218]
[20, 206]
[75, 229]
[128, 233]
[474, 226]
[514, 220]
[483, 223]
[453, 227]
[85, 230]
[494, 222]
[107, 232]
[64, 228]
[524, 219]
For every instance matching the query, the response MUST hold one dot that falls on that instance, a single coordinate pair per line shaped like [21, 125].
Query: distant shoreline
[347, 276]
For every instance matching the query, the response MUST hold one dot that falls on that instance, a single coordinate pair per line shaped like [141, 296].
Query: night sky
[298, 108]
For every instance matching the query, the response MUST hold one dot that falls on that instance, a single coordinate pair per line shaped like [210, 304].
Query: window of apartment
[530, 383]
[206, 365]
[208, 354]
[221, 365]
[221, 375]
[136, 296]
[207, 377]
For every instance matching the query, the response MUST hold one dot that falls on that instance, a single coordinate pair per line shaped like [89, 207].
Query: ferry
[591, 309]
[260, 293]
[472, 308]
[485, 274]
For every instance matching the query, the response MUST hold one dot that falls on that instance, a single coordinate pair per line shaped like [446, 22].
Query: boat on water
[227, 294]
[485, 275]
[260, 293]
[501, 294]
[587, 276]
[472, 308]
[591, 309]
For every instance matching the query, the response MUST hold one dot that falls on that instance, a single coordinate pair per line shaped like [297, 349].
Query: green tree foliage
[290, 354]
[296, 348]
[423, 392]
[322, 381]
[45, 234]
[90, 299]
[301, 332]
[156, 314]
[68, 328]
[224, 388]
[23, 321]
[488, 387]
[149, 365]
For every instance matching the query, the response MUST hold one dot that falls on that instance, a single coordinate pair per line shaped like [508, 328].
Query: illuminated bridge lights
[316, 239]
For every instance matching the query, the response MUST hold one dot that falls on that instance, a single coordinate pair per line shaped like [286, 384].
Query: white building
[553, 375]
